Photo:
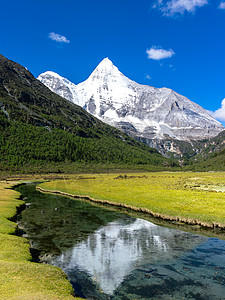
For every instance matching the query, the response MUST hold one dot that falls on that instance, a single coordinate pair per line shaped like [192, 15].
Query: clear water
[110, 255]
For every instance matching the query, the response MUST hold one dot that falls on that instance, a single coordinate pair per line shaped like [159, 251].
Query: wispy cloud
[222, 5]
[172, 67]
[157, 53]
[219, 114]
[58, 38]
[147, 76]
[172, 7]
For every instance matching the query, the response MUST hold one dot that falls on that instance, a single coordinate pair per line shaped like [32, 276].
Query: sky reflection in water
[109, 255]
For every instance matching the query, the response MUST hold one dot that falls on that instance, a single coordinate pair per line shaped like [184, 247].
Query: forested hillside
[212, 162]
[211, 155]
[22, 144]
[39, 128]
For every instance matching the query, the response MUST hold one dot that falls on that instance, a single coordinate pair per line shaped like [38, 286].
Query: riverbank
[20, 278]
[190, 198]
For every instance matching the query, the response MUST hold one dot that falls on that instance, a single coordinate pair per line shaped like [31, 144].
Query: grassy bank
[19, 277]
[193, 198]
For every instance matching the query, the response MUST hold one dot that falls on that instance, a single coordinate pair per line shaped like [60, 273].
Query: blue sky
[179, 44]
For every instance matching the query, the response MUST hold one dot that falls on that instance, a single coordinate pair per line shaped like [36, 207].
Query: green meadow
[19, 277]
[194, 198]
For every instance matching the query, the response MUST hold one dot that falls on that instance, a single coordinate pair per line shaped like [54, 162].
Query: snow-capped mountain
[140, 110]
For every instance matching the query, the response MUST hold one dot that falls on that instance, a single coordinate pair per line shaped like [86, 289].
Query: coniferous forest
[25, 145]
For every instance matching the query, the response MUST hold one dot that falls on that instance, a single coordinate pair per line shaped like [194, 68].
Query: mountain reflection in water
[112, 252]
[108, 255]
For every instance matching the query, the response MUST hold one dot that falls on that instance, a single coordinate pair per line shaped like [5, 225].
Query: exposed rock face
[139, 110]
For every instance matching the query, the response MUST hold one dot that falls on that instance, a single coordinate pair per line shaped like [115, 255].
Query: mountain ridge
[141, 111]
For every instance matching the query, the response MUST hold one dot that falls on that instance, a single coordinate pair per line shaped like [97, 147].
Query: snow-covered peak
[140, 110]
[59, 85]
[105, 85]
[106, 71]
[49, 73]
[105, 64]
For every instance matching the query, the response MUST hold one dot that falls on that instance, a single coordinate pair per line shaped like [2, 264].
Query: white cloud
[147, 76]
[219, 114]
[58, 38]
[157, 53]
[222, 5]
[172, 7]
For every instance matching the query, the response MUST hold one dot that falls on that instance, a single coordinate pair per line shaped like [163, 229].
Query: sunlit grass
[176, 195]
[19, 277]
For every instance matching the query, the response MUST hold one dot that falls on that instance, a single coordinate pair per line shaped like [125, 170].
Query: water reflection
[109, 255]
[114, 251]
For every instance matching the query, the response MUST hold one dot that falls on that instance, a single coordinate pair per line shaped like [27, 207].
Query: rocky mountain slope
[209, 151]
[209, 158]
[152, 115]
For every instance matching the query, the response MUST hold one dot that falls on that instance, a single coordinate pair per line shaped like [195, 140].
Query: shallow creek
[110, 255]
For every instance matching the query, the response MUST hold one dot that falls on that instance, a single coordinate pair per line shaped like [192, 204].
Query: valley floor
[192, 198]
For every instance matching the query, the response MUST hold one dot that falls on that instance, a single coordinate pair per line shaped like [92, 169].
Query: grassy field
[194, 198]
[19, 277]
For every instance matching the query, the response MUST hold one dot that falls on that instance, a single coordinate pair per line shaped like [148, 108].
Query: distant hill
[215, 144]
[215, 162]
[211, 156]
[38, 127]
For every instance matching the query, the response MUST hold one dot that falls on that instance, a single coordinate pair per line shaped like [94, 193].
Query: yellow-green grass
[175, 196]
[19, 277]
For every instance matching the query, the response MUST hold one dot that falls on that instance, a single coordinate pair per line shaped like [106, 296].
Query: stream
[110, 255]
